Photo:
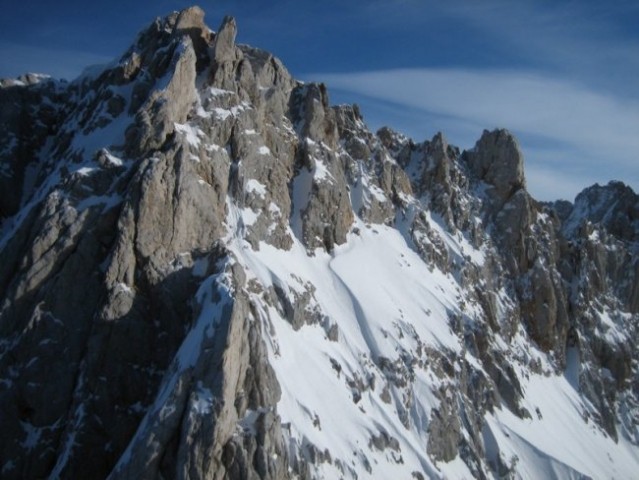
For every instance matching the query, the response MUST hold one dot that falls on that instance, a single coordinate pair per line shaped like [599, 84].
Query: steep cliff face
[209, 272]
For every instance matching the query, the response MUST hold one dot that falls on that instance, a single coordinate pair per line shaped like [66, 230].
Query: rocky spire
[224, 43]
[497, 160]
[225, 56]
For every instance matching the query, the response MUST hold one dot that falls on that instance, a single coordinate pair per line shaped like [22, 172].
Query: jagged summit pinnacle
[615, 206]
[208, 271]
[224, 45]
[191, 20]
[497, 159]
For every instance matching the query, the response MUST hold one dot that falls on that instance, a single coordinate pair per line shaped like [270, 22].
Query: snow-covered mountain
[207, 271]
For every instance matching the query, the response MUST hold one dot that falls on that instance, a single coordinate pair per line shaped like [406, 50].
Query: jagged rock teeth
[149, 213]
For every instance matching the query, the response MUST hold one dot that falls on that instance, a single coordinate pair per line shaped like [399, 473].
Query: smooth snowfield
[561, 443]
[385, 302]
[372, 302]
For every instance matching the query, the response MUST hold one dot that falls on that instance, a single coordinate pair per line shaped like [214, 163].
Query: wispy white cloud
[561, 75]
[588, 42]
[587, 127]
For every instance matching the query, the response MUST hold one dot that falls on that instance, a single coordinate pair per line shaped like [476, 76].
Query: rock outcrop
[208, 271]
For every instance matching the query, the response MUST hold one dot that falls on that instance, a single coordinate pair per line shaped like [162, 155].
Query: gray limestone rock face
[262, 159]
[266, 84]
[216, 381]
[322, 213]
[104, 268]
[30, 111]
[190, 21]
[377, 183]
[225, 56]
[311, 115]
[544, 307]
[442, 180]
[444, 430]
[598, 233]
[513, 224]
[614, 206]
[166, 106]
[430, 246]
[123, 277]
[397, 144]
[325, 214]
[224, 43]
[497, 160]
[353, 131]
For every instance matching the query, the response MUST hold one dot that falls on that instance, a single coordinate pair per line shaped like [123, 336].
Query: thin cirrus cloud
[550, 116]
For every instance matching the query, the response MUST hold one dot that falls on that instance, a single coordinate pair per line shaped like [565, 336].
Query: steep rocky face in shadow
[30, 107]
[143, 329]
[105, 260]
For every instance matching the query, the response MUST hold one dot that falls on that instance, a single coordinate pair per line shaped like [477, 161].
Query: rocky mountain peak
[224, 43]
[228, 277]
[191, 20]
[614, 206]
[497, 159]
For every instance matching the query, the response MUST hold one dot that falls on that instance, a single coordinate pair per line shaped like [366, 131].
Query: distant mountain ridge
[208, 271]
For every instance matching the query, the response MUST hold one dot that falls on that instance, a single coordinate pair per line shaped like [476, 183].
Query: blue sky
[562, 75]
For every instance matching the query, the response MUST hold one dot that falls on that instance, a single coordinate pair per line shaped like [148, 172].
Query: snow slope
[389, 305]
